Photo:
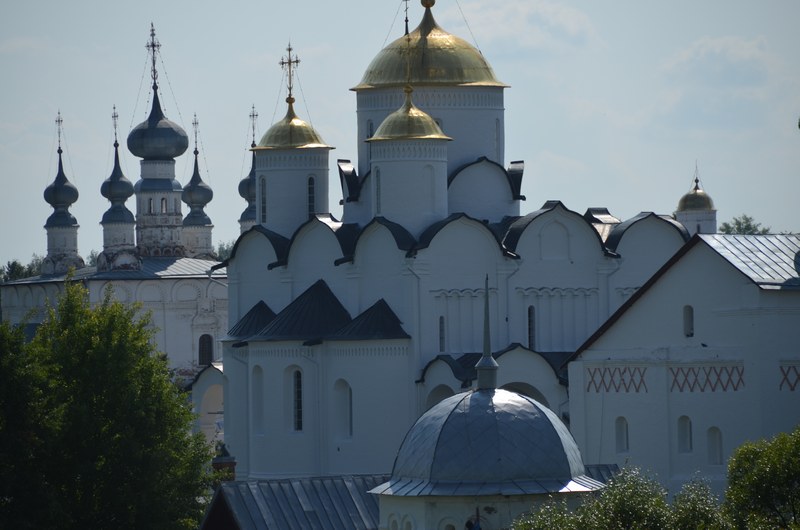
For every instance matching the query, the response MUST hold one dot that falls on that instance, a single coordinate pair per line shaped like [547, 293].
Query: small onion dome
[61, 194]
[696, 199]
[117, 189]
[408, 123]
[491, 440]
[290, 133]
[428, 56]
[197, 194]
[157, 138]
[247, 191]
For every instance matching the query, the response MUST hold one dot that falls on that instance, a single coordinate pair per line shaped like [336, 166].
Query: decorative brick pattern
[710, 378]
[790, 377]
[616, 379]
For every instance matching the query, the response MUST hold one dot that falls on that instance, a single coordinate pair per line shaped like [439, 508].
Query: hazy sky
[610, 103]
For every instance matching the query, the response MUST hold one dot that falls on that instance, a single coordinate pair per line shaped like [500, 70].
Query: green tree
[743, 225]
[119, 452]
[224, 250]
[764, 483]
[696, 506]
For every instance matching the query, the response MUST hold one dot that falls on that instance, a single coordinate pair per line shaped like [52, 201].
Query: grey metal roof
[323, 503]
[770, 261]
[151, 269]
[252, 322]
[377, 322]
[487, 442]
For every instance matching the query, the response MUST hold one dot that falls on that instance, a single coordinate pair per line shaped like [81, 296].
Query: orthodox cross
[195, 124]
[253, 118]
[59, 122]
[406, 2]
[152, 46]
[114, 118]
[288, 63]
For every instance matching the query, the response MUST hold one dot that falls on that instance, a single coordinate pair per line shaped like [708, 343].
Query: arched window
[257, 397]
[714, 446]
[150, 205]
[531, 327]
[263, 200]
[297, 400]
[377, 191]
[206, 349]
[312, 208]
[441, 334]
[163, 205]
[684, 434]
[688, 321]
[343, 403]
[621, 432]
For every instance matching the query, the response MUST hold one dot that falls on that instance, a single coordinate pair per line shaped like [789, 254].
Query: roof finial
[487, 366]
[152, 46]
[253, 118]
[59, 123]
[195, 124]
[288, 63]
[114, 119]
[406, 1]
[696, 176]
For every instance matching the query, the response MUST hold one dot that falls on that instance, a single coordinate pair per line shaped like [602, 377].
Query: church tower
[197, 225]
[119, 243]
[291, 169]
[409, 169]
[247, 186]
[696, 210]
[157, 141]
[61, 226]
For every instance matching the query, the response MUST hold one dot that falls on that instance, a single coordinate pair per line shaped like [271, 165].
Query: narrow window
[684, 435]
[377, 191]
[531, 327]
[177, 204]
[298, 400]
[714, 446]
[263, 200]
[163, 205]
[370, 132]
[441, 334]
[206, 348]
[688, 321]
[621, 430]
[257, 396]
[343, 409]
[150, 205]
[311, 199]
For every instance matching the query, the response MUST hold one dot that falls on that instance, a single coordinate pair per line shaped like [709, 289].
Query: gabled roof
[320, 503]
[618, 232]
[769, 261]
[252, 322]
[377, 322]
[314, 315]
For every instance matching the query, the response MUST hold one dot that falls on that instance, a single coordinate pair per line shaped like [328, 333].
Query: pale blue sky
[610, 103]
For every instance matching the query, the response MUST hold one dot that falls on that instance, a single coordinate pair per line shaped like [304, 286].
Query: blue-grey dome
[157, 138]
[61, 194]
[247, 191]
[117, 189]
[488, 442]
[197, 194]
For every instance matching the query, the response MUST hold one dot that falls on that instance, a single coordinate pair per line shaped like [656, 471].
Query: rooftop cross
[406, 1]
[288, 62]
[114, 118]
[195, 124]
[253, 118]
[59, 123]
[152, 46]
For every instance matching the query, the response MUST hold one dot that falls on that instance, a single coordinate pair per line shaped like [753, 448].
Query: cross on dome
[152, 47]
[288, 63]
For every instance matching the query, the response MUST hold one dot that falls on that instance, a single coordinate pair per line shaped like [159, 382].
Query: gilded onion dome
[428, 56]
[291, 133]
[696, 199]
[408, 123]
[197, 194]
[117, 189]
[61, 194]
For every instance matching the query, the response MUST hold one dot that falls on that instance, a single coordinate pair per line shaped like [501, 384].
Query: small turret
[197, 225]
[247, 186]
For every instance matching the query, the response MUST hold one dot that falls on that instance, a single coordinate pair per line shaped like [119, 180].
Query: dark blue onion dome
[117, 189]
[247, 191]
[157, 138]
[61, 194]
[197, 194]
[491, 440]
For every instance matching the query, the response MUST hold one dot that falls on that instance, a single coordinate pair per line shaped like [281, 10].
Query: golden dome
[408, 123]
[290, 133]
[428, 56]
[696, 199]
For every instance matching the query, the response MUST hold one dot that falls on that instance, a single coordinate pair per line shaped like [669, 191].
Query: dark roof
[345, 233]
[618, 232]
[402, 237]
[323, 503]
[252, 322]
[279, 243]
[513, 175]
[151, 269]
[752, 255]
[349, 178]
[377, 322]
[314, 315]
[431, 232]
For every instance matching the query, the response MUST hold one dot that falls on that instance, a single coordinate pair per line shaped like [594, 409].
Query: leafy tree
[117, 449]
[743, 225]
[696, 506]
[224, 250]
[764, 483]
[15, 270]
[91, 259]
